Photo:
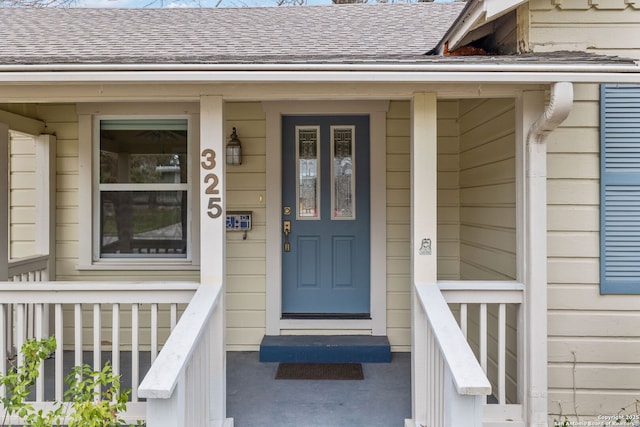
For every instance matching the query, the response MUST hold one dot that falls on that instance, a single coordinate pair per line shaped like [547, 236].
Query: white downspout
[535, 266]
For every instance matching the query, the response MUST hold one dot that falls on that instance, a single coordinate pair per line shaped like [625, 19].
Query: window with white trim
[620, 189]
[142, 182]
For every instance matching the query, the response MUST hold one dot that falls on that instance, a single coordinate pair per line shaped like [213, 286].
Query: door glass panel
[343, 172]
[308, 188]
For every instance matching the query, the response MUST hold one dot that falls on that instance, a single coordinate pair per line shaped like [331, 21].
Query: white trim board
[377, 119]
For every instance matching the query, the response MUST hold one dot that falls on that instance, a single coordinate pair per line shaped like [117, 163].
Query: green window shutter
[620, 189]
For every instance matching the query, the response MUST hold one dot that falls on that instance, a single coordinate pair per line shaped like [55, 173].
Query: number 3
[209, 157]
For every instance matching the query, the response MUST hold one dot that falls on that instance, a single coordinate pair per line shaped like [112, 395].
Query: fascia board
[496, 8]
[466, 23]
[472, 73]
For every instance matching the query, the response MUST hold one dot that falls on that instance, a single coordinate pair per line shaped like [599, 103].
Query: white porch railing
[73, 305]
[185, 386]
[449, 385]
[30, 269]
[490, 319]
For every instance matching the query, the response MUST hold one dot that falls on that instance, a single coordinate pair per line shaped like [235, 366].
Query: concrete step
[325, 349]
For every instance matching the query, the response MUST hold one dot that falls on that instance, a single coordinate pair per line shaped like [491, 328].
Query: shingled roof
[318, 34]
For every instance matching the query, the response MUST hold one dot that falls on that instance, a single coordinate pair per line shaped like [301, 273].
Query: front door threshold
[325, 349]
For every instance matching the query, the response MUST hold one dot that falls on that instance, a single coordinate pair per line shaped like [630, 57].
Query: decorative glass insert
[143, 186]
[308, 189]
[343, 172]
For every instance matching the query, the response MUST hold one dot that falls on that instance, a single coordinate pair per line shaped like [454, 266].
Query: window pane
[143, 222]
[308, 162]
[143, 151]
[343, 177]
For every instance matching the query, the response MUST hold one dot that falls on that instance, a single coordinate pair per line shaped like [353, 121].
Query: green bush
[93, 398]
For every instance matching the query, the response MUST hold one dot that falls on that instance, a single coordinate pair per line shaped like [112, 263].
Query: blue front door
[326, 216]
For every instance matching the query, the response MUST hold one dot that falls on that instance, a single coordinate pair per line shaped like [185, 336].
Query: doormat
[320, 371]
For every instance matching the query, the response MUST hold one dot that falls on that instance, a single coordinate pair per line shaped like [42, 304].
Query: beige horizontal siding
[246, 265]
[487, 188]
[594, 339]
[398, 228]
[608, 27]
[22, 197]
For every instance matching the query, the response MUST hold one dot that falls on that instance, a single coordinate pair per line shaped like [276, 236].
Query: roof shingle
[240, 35]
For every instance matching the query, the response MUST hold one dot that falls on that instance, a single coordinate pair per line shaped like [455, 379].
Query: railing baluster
[10, 337]
[20, 331]
[440, 387]
[431, 391]
[154, 332]
[77, 334]
[502, 353]
[135, 355]
[45, 320]
[30, 321]
[483, 337]
[463, 319]
[37, 316]
[174, 315]
[3, 344]
[97, 340]
[59, 374]
[115, 340]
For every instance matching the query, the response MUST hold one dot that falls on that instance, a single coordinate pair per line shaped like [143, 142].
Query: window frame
[99, 187]
[89, 117]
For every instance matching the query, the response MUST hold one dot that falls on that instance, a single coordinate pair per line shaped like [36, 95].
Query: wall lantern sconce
[234, 150]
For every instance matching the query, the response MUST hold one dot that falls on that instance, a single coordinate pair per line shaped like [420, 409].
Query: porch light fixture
[234, 150]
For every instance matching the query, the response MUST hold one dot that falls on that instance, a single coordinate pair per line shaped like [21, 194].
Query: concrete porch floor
[255, 398]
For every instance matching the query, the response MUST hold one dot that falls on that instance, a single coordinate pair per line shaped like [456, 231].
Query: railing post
[168, 412]
[460, 410]
[4, 202]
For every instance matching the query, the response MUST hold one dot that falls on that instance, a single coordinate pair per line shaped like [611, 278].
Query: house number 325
[214, 210]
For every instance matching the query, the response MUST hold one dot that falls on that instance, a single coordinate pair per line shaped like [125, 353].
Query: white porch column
[533, 271]
[212, 238]
[423, 232]
[46, 201]
[4, 202]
